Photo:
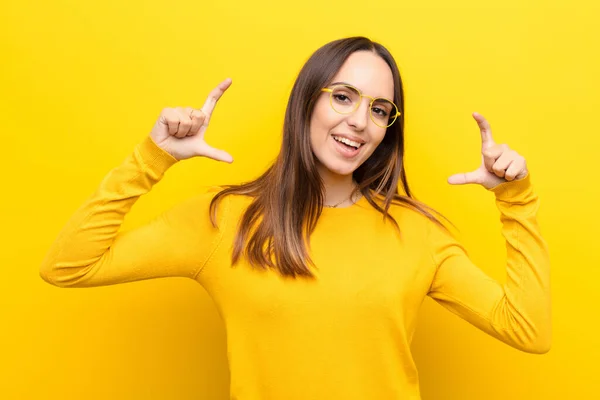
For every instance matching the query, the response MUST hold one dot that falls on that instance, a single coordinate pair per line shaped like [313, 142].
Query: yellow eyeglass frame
[360, 93]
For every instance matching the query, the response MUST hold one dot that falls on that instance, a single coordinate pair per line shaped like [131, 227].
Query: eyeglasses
[345, 99]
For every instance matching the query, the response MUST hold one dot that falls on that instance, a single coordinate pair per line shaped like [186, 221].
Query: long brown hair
[288, 198]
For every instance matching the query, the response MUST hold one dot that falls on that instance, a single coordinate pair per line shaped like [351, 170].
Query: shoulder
[205, 196]
[205, 206]
[221, 200]
[412, 213]
[431, 228]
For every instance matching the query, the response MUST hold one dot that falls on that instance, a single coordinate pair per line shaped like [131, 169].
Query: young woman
[320, 265]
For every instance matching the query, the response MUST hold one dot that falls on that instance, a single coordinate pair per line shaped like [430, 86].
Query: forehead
[368, 72]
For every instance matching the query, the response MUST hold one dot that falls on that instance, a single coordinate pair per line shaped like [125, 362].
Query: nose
[360, 117]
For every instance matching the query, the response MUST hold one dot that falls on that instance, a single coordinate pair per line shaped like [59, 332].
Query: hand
[180, 132]
[499, 163]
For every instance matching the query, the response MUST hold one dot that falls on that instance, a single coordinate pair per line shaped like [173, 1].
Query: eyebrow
[341, 83]
[346, 83]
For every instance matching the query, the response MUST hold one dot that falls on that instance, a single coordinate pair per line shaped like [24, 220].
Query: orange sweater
[345, 335]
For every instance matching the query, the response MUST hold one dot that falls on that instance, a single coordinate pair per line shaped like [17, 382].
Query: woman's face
[369, 73]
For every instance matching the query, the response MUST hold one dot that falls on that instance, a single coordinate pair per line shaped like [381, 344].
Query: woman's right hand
[180, 131]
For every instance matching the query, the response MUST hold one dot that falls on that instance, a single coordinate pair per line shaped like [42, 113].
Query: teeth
[347, 141]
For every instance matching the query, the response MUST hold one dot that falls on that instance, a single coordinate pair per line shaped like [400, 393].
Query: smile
[347, 142]
[348, 149]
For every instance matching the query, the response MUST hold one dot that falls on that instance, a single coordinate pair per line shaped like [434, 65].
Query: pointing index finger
[486, 130]
[214, 97]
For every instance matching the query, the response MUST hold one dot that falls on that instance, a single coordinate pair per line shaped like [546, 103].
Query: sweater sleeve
[519, 311]
[90, 250]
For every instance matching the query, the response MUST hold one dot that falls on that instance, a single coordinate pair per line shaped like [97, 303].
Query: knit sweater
[345, 334]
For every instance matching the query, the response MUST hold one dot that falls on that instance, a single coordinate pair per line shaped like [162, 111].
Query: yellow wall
[82, 82]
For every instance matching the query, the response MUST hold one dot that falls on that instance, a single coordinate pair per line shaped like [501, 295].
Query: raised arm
[90, 250]
[519, 311]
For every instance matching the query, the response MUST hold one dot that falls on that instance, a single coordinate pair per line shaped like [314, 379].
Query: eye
[341, 97]
[380, 111]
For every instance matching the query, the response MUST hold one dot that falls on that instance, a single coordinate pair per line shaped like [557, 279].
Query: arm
[90, 251]
[518, 312]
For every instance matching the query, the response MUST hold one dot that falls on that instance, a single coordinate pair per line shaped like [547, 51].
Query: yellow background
[82, 82]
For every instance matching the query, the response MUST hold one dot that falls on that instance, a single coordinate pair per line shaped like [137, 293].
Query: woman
[319, 266]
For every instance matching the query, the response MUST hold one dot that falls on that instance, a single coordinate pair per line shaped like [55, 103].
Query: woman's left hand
[499, 163]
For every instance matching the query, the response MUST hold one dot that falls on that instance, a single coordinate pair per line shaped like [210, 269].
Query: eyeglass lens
[346, 99]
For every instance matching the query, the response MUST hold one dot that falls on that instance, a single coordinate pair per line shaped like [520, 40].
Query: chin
[337, 168]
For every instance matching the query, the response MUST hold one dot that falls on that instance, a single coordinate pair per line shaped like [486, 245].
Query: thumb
[216, 154]
[464, 178]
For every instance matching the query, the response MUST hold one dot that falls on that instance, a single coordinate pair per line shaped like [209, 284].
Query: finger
[464, 178]
[216, 154]
[485, 129]
[189, 111]
[198, 118]
[213, 98]
[185, 123]
[516, 170]
[491, 154]
[172, 120]
[502, 163]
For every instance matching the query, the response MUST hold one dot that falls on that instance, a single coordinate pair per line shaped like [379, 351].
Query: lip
[345, 151]
[349, 137]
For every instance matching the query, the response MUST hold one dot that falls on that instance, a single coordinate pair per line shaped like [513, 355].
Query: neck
[338, 188]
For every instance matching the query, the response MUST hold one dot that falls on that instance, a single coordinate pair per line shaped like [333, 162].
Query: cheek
[377, 138]
[321, 123]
